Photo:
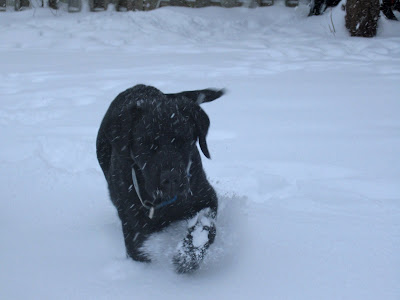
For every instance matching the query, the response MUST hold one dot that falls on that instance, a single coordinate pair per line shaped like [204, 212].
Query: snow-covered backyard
[305, 153]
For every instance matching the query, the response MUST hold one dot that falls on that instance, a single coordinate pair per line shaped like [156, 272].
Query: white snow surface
[305, 153]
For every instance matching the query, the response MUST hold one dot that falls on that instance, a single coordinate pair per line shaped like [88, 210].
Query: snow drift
[305, 151]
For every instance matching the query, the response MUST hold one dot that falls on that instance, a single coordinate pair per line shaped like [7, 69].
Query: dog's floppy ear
[198, 116]
[201, 123]
[121, 117]
[118, 124]
[199, 96]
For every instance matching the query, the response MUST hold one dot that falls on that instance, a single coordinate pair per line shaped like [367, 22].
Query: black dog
[318, 7]
[146, 147]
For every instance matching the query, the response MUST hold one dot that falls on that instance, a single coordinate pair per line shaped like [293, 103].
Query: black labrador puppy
[146, 147]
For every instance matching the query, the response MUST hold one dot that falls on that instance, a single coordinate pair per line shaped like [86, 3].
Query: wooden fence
[144, 5]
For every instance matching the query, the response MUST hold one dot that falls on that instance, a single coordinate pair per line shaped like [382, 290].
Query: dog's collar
[148, 204]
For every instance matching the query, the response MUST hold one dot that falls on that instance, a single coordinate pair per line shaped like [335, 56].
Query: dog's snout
[169, 182]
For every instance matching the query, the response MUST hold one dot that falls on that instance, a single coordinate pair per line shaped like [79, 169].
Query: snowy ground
[305, 153]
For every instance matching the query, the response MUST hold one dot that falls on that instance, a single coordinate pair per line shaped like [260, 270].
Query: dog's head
[158, 133]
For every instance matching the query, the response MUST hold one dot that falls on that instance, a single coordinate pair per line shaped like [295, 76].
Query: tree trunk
[53, 4]
[362, 17]
[25, 3]
[98, 5]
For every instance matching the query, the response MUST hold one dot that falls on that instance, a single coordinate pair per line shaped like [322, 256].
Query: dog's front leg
[134, 240]
[201, 234]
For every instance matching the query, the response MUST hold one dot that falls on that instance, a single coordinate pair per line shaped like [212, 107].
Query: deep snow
[305, 150]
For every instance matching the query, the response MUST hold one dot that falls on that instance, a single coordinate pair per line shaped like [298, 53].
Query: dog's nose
[169, 182]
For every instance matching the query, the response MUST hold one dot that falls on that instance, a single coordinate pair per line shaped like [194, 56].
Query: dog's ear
[199, 96]
[201, 124]
[118, 125]
[124, 113]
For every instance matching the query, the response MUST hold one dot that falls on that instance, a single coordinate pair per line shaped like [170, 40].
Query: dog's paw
[186, 261]
[192, 249]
